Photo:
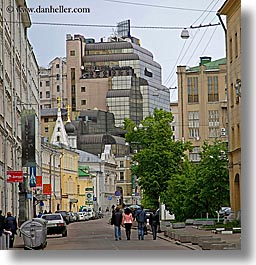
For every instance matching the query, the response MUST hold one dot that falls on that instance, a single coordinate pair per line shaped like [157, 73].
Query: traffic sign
[117, 193]
[109, 198]
[89, 195]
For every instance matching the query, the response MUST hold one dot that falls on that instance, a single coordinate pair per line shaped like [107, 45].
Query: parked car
[65, 216]
[55, 224]
[224, 211]
[72, 217]
[81, 216]
[148, 212]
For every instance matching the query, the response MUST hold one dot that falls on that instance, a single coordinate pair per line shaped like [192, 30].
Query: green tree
[158, 156]
[213, 177]
[182, 194]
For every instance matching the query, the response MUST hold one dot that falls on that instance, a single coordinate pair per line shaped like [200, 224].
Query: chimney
[205, 59]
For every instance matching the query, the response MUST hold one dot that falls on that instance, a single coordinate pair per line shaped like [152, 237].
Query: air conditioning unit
[223, 132]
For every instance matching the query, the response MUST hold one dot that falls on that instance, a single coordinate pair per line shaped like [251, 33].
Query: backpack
[140, 217]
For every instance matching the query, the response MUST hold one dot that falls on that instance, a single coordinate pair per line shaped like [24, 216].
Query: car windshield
[52, 217]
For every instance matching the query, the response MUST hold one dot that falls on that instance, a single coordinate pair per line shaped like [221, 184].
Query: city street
[99, 235]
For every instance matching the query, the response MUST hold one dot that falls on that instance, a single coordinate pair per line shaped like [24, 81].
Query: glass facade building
[134, 95]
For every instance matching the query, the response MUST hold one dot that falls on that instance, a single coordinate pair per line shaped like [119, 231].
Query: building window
[78, 189]
[58, 77]
[121, 163]
[193, 124]
[47, 83]
[194, 155]
[41, 84]
[213, 91]
[83, 102]
[57, 65]
[58, 88]
[46, 129]
[121, 176]
[58, 138]
[41, 94]
[83, 89]
[73, 74]
[72, 53]
[47, 94]
[193, 90]
[230, 51]
[213, 123]
[236, 45]
[46, 119]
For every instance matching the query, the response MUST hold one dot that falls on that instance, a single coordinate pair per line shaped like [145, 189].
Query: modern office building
[232, 10]
[202, 103]
[117, 75]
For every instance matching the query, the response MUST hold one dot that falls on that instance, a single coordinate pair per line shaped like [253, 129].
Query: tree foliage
[189, 190]
[158, 156]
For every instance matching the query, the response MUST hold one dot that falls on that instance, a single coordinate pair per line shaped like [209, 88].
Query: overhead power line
[113, 26]
[159, 6]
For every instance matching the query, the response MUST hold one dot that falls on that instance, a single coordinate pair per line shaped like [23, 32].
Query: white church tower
[59, 135]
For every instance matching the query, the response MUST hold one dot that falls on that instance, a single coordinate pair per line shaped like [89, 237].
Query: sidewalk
[234, 238]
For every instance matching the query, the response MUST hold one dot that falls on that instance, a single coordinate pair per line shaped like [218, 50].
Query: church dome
[69, 127]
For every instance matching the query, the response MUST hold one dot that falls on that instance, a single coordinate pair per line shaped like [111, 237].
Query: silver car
[55, 224]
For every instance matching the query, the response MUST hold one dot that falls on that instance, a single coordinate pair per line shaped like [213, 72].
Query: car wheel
[65, 234]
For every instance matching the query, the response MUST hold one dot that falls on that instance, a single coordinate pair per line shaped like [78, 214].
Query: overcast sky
[166, 44]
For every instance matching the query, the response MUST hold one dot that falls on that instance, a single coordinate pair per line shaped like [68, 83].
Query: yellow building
[202, 103]
[232, 10]
[69, 180]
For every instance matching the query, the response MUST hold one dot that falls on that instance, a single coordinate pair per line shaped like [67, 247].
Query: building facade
[202, 103]
[53, 83]
[19, 92]
[232, 10]
[117, 75]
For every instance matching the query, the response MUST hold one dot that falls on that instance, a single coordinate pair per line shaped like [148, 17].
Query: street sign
[89, 202]
[109, 198]
[14, 176]
[117, 193]
[89, 195]
[32, 179]
[47, 189]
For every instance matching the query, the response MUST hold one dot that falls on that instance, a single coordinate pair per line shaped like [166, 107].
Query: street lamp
[184, 34]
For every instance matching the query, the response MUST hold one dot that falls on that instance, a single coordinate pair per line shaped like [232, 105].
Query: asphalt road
[99, 235]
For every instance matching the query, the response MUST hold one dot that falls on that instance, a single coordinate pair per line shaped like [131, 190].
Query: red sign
[47, 189]
[39, 181]
[14, 176]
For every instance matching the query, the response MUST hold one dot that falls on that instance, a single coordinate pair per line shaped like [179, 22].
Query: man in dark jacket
[2, 223]
[154, 222]
[116, 220]
[11, 225]
[141, 219]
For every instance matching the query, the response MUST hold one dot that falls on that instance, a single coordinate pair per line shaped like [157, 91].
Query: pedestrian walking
[2, 223]
[141, 219]
[154, 222]
[11, 225]
[116, 220]
[127, 222]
